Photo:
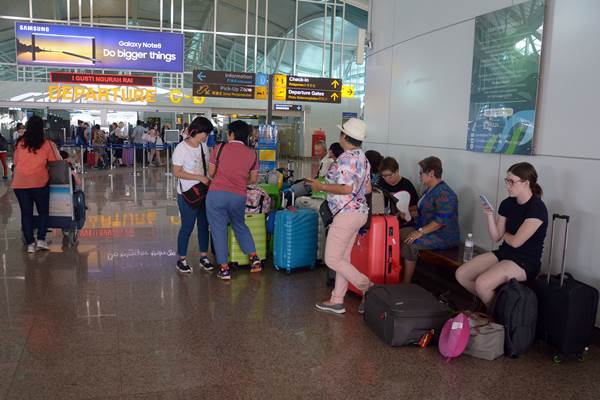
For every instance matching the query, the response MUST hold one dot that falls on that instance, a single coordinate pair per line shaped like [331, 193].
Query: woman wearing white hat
[348, 181]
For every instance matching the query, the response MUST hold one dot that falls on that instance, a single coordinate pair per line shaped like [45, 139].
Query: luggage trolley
[67, 203]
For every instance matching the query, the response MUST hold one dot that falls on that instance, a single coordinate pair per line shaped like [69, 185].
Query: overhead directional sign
[322, 90]
[240, 85]
[347, 91]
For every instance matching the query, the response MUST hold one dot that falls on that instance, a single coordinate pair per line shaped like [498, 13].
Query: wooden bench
[435, 272]
[449, 258]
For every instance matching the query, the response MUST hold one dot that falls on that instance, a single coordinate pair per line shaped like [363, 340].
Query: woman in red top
[30, 181]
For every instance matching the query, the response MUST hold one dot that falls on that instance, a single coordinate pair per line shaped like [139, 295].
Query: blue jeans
[224, 208]
[41, 198]
[189, 218]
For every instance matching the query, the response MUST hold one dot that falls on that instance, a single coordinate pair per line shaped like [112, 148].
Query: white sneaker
[31, 248]
[42, 245]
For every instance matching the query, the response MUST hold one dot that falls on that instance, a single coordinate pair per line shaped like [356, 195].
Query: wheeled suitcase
[128, 155]
[402, 314]
[90, 159]
[377, 252]
[257, 225]
[295, 239]
[566, 307]
[315, 204]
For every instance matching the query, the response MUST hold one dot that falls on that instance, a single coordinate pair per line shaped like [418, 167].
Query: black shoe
[183, 267]
[256, 264]
[205, 264]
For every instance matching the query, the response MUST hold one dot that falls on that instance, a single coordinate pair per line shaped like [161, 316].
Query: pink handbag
[454, 337]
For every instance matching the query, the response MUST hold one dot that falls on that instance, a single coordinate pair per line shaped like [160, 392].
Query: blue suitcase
[295, 239]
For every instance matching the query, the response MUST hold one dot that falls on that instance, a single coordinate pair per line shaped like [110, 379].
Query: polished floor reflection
[111, 319]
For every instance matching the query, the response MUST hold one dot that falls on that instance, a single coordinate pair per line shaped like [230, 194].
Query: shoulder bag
[195, 196]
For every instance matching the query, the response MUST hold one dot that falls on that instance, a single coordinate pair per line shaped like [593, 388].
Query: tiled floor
[111, 319]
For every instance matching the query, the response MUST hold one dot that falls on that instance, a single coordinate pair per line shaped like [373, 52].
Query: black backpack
[516, 308]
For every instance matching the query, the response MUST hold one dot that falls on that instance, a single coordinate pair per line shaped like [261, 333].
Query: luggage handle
[566, 218]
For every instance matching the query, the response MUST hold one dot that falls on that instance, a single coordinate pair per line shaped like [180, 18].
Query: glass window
[176, 13]
[355, 18]
[231, 16]
[280, 56]
[353, 74]
[7, 41]
[51, 9]
[198, 51]
[16, 9]
[145, 13]
[282, 16]
[8, 72]
[333, 24]
[309, 58]
[230, 53]
[310, 21]
[199, 14]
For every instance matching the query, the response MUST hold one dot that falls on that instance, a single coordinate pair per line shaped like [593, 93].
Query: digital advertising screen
[103, 48]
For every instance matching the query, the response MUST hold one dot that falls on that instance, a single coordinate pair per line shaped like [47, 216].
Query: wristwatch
[421, 231]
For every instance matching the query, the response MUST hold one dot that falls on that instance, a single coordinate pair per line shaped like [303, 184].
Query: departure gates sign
[301, 88]
[102, 48]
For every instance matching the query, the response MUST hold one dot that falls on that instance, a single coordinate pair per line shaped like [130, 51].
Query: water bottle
[468, 253]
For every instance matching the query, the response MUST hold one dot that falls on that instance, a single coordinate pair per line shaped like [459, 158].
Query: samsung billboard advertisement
[102, 48]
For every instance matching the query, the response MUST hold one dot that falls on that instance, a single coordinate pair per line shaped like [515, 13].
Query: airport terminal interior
[103, 310]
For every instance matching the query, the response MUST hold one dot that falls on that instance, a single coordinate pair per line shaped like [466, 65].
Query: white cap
[355, 128]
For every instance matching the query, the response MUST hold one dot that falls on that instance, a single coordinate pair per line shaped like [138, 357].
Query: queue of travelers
[346, 173]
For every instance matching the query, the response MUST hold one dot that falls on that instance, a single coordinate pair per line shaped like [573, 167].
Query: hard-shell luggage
[403, 314]
[515, 307]
[295, 239]
[314, 204]
[257, 225]
[377, 252]
[90, 159]
[79, 208]
[566, 307]
[128, 155]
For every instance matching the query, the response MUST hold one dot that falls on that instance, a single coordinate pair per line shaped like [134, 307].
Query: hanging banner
[504, 86]
[102, 48]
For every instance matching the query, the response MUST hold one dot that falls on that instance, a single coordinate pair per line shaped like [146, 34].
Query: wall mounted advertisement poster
[102, 48]
[504, 86]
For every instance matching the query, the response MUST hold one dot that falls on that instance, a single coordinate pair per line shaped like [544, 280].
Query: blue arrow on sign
[201, 76]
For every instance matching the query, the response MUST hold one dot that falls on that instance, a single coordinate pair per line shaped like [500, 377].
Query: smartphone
[486, 202]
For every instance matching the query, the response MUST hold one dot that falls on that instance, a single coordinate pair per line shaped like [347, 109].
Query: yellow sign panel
[279, 93]
[267, 155]
[260, 93]
[280, 80]
[347, 91]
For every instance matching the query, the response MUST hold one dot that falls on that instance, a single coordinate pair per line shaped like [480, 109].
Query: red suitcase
[91, 159]
[377, 252]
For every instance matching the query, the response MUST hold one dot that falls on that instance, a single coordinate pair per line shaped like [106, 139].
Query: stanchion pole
[82, 163]
[134, 161]
[112, 157]
[144, 156]
[168, 160]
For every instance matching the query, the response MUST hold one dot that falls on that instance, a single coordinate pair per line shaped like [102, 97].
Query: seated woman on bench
[521, 223]
[437, 221]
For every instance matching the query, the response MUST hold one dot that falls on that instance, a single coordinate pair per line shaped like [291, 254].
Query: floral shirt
[351, 168]
[439, 204]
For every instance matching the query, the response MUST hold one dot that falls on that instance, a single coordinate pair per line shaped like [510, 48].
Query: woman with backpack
[521, 225]
[236, 167]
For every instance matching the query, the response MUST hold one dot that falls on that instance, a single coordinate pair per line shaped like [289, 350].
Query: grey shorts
[409, 252]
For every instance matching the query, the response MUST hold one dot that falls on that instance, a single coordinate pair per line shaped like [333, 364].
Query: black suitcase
[567, 307]
[402, 314]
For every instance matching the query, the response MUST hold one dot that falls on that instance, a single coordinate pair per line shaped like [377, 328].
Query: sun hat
[355, 128]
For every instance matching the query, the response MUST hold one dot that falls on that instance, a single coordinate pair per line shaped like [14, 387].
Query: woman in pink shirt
[226, 200]
[30, 181]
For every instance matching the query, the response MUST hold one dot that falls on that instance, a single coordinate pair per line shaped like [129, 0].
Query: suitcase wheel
[288, 271]
[557, 359]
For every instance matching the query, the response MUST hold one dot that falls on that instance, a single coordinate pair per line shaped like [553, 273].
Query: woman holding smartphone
[521, 225]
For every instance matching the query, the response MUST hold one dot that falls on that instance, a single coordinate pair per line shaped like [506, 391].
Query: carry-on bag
[258, 228]
[566, 307]
[516, 308]
[377, 252]
[258, 200]
[486, 338]
[295, 239]
[403, 314]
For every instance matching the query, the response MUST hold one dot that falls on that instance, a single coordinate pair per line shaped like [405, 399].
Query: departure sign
[300, 88]
[239, 85]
